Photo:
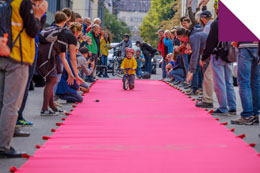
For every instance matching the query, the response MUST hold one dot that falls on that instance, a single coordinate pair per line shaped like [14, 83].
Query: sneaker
[59, 111]
[204, 105]
[218, 112]
[232, 112]
[188, 86]
[23, 123]
[48, 113]
[176, 82]
[199, 98]
[58, 104]
[192, 93]
[245, 120]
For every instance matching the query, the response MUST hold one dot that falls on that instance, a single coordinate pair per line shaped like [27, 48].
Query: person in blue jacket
[167, 41]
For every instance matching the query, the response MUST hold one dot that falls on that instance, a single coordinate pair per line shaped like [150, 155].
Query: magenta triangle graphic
[231, 28]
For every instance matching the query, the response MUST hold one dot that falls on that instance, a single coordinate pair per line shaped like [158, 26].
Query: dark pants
[197, 78]
[72, 97]
[104, 62]
[148, 64]
[31, 72]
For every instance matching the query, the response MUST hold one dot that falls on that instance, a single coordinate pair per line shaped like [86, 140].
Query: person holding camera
[140, 60]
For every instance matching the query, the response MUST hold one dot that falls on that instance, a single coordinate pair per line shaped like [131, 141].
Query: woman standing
[104, 46]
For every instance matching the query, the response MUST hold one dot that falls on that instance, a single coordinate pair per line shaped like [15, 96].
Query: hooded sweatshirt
[197, 40]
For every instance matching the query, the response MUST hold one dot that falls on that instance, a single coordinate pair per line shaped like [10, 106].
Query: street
[43, 125]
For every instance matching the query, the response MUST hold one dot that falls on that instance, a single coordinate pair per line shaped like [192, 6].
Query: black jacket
[32, 25]
[147, 50]
[212, 41]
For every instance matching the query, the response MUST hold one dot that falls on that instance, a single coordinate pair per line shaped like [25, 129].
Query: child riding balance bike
[129, 66]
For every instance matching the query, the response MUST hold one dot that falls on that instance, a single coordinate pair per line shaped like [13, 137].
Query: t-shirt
[68, 37]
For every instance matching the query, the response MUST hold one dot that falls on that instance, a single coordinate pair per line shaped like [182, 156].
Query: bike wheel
[125, 84]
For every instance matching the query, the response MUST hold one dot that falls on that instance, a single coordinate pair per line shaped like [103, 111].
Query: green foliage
[115, 26]
[162, 14]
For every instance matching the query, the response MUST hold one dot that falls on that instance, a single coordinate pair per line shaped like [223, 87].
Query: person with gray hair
[96, 21]
[86, 24]
[94, 48]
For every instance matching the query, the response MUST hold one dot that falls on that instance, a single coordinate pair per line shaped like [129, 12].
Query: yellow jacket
[28, 43]
[103, 47]
[129, 63]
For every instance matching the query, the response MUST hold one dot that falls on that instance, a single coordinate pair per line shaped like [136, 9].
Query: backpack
[227, 52]
[48, 50]
[5, 22]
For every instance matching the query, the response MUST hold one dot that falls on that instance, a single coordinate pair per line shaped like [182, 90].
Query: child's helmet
[130, 50]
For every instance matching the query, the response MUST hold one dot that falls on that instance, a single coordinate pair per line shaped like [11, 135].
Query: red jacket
[161, 47]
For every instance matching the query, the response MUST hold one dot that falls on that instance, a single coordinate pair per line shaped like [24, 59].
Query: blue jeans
[139, 71]
[26, 93]
[223, 84]
[197, 78]
[104, 62]
[249, 81]
[148, 64]
[177, 74]
[185, 59]
[72, 97]
[164, 73]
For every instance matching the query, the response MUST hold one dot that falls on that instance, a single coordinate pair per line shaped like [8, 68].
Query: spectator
[78, 18]
[71, 93]
[94, 49]
[197, 40]
[222, 73]
[86, 24]
[68, 13]
[167, 41]
[207, 92]
[140, 60]
[195, 18]
[176, 66]
[249, 83]
[175, 40]
[186, 23]
[14, 68]
[163, 50]
[67, 37]
[148, 53]
[104, 46]
[21, 120]
[96, 21]
[85, 66]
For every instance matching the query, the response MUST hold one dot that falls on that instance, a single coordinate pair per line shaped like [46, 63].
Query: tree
[115, 26]
[162, 14]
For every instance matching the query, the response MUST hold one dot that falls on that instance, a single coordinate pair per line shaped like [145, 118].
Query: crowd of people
[195, 59]
[66, 56]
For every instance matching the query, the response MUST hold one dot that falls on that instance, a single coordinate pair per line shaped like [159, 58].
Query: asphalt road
[42, 126]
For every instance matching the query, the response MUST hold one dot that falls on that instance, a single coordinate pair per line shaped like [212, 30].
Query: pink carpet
[153, 129]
